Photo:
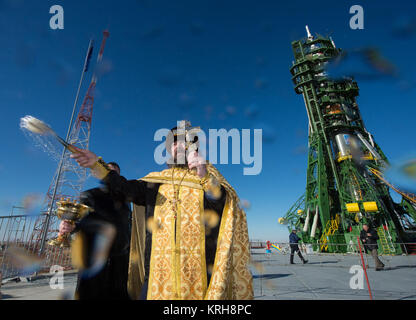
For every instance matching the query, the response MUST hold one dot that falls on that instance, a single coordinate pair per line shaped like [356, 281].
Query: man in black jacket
[369, 238]
[108, 210]
[294, 247]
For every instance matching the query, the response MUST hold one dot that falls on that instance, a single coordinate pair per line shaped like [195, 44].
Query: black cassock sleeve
[215, 204]
[131, 190]
[211, 236]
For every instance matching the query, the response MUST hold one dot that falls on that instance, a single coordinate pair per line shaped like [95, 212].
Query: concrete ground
[326, 276]
[40, 289]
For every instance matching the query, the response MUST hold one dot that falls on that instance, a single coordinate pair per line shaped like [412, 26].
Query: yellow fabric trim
[190, 180]
[185, 182]
[176, 266]
[178, 245]
[99, 170]
[137, 247]
[178, 174]
[159, 252]
[202, 244]
[151, 267]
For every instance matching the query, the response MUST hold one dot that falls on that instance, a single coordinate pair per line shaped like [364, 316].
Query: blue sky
[206, 61]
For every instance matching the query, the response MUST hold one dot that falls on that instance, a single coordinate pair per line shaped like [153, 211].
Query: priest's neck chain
[176, 191]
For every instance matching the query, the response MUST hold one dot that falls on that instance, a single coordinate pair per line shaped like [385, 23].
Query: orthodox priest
[189, 234]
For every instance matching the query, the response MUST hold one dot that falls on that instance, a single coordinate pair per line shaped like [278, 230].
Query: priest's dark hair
[115, 164]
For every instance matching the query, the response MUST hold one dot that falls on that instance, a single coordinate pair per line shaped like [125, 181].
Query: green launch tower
[345, 187]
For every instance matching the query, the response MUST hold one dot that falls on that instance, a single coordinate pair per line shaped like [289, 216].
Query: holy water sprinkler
[39, 127]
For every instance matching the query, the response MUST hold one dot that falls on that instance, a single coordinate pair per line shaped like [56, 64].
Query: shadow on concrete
[261, 261]
[408, 297]
[271, 276]
[399, 267]
[323, 262]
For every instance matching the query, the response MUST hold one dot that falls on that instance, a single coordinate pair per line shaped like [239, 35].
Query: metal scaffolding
[342, 190]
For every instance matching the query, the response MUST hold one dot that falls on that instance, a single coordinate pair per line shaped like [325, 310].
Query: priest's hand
[65, 227]
[196, 161]
[84, 158]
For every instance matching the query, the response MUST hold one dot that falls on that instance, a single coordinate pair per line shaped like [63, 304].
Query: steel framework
[69, 177]
[344, 188]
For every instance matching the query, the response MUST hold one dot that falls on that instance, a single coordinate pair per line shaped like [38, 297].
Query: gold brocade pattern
[177, 265]
[231, 278]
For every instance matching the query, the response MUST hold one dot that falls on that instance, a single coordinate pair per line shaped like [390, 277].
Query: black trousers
[109, 284]
[379, 264]
[295, 248]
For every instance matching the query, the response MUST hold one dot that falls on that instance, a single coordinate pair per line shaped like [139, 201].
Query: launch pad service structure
[345, 186]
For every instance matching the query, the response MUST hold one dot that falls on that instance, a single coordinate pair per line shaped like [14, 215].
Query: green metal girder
[330, 180]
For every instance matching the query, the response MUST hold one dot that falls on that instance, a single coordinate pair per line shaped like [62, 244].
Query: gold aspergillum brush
[39, 127]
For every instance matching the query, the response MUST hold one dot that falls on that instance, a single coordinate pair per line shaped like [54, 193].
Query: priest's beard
[178, 161]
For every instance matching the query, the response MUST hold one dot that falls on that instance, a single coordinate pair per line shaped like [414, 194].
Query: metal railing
[17, 231]
[266, 266]
[351, 252]
[351, 247]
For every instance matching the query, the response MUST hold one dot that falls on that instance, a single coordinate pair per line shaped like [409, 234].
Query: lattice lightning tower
[69, 178]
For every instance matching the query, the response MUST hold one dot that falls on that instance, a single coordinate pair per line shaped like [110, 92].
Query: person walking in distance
[294, 247]
[369, 238]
